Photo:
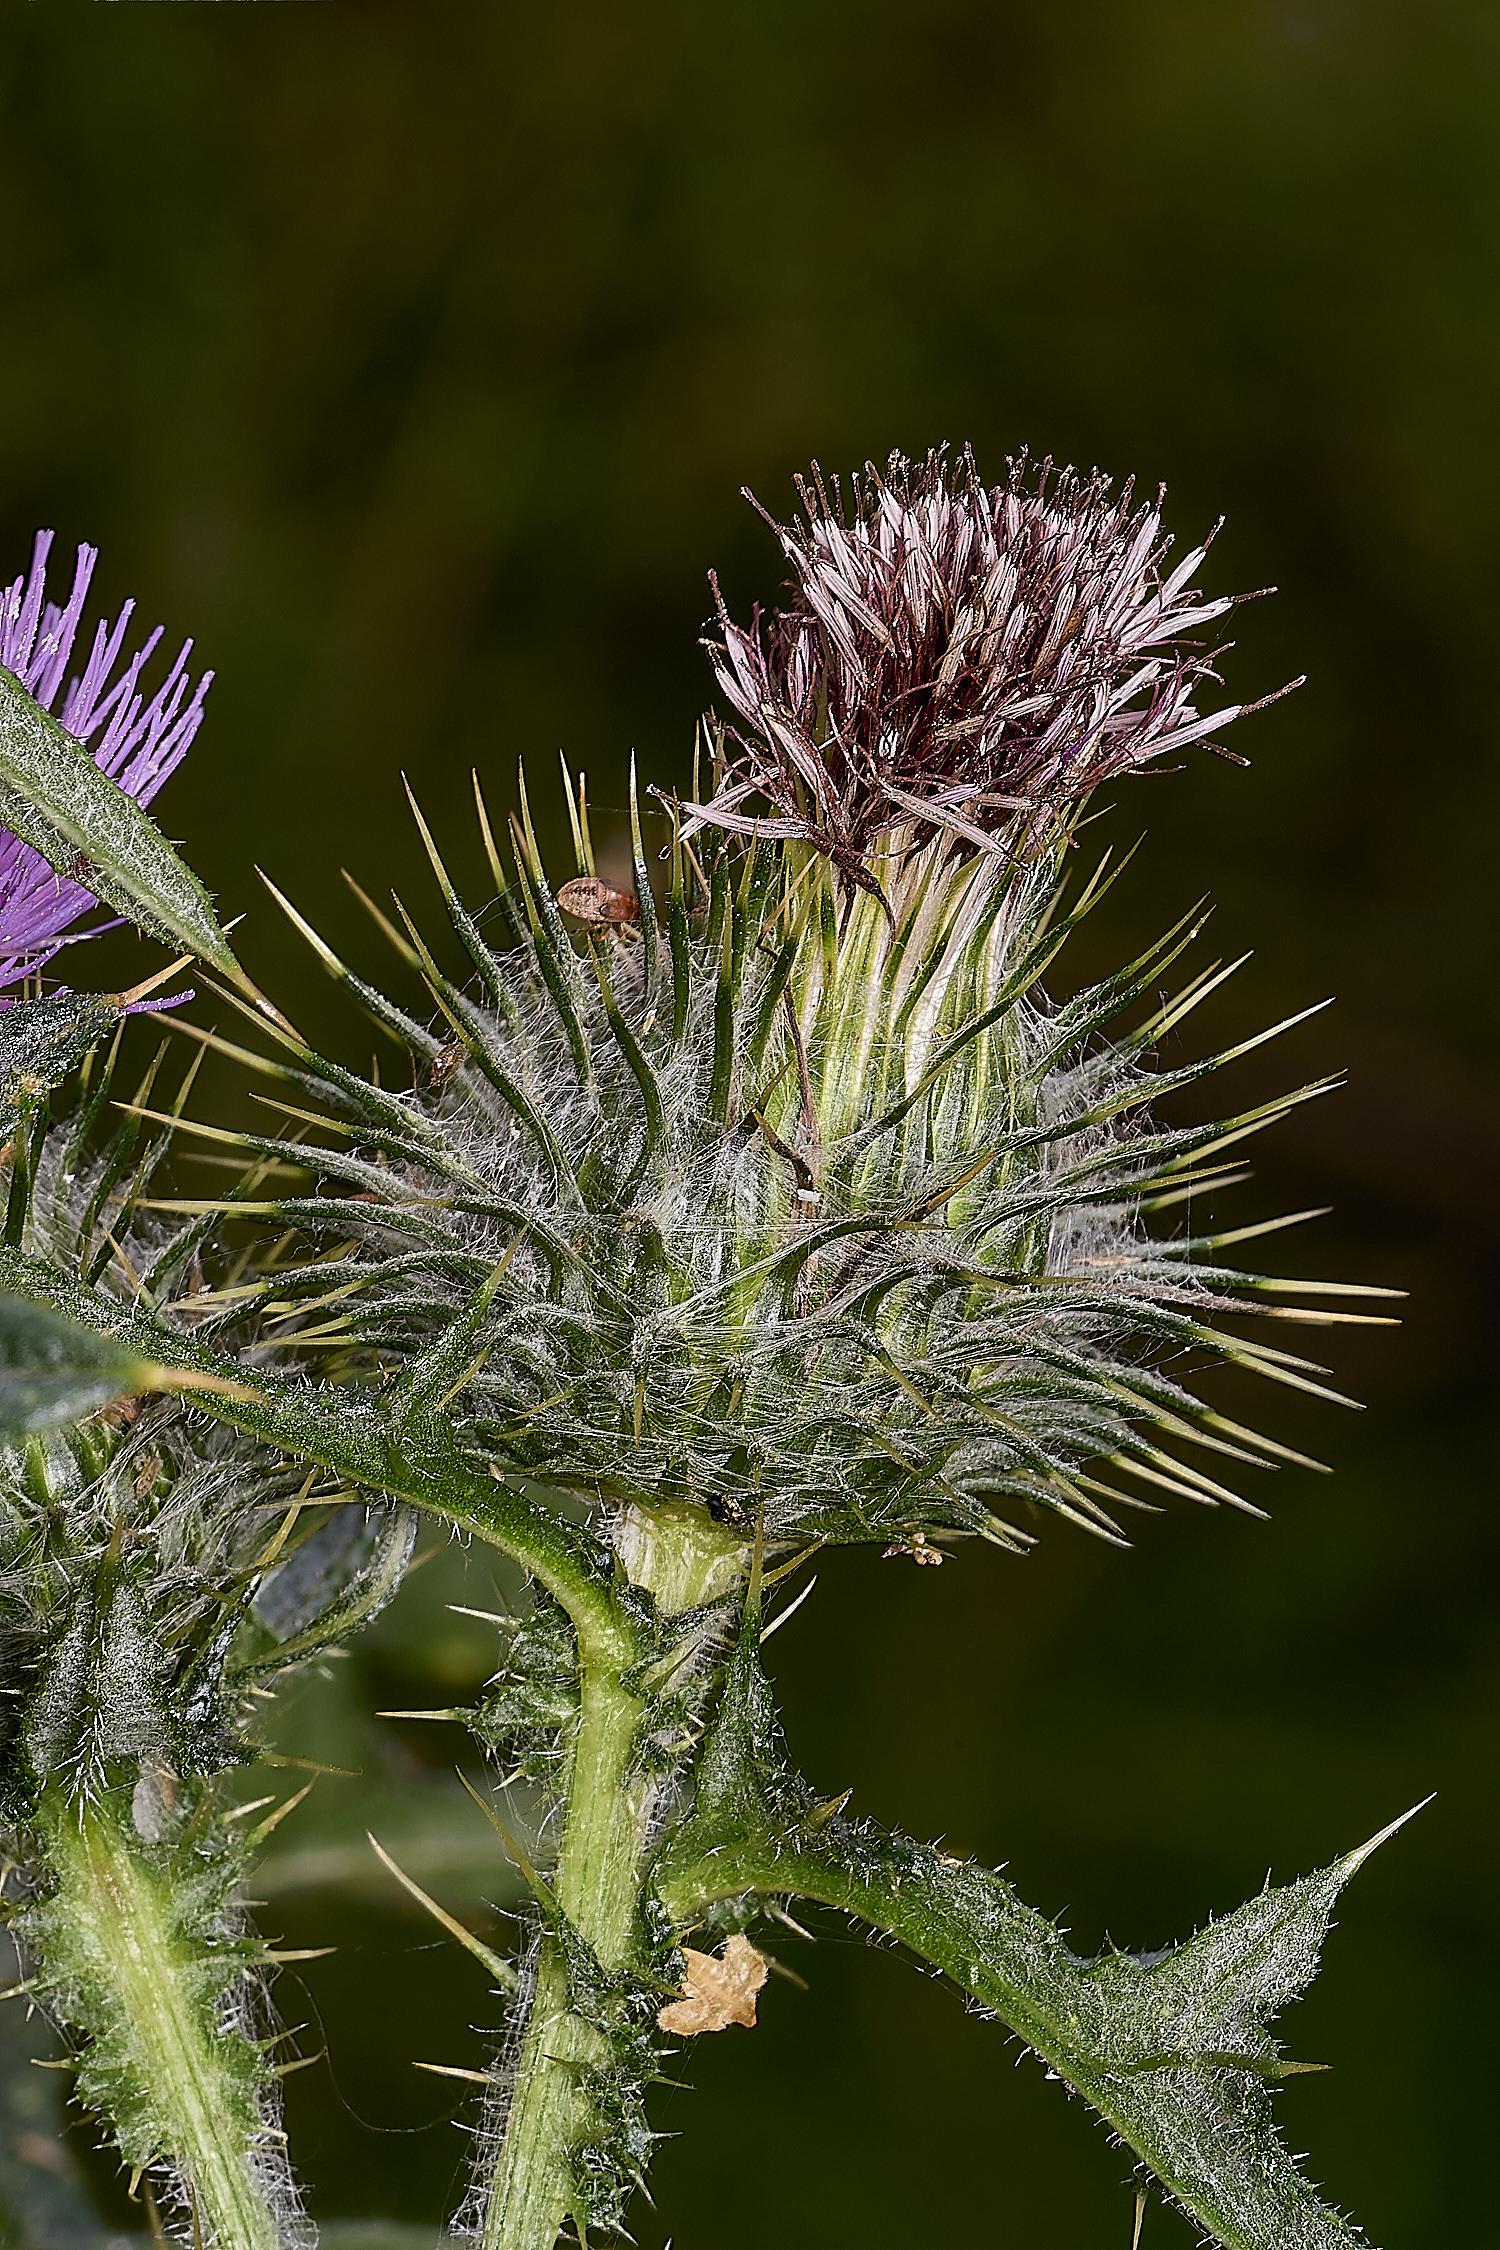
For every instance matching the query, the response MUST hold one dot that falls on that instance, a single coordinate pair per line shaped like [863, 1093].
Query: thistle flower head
[138, 740]
[756, 1209]
[959, 660]
[795, 1196]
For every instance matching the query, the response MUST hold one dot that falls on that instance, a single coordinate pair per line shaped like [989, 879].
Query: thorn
[452, 2070]
[157, 1378]
[790, 1610]
[1356, 1859]
[501, 1971]
[529, 1874]
[276, 2038]
[243, 1812]
[274, 1545]
[139, 992]
[310, 1765]
[757, 1567]
[273, 1820]
[158, 2231]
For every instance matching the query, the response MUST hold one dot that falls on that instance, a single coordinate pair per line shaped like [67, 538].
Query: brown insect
[918, 1546]
[447, 1063]
[588, 898]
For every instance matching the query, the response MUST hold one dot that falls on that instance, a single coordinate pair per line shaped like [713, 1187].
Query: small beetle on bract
[588, 898]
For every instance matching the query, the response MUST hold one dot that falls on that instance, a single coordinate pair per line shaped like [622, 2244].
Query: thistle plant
[769, 1205]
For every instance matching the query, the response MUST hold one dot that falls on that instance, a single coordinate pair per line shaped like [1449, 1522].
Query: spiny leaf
[41, 1041]
[53, 1371]
[54, 797]
[427, 1468]
[1175, 2050]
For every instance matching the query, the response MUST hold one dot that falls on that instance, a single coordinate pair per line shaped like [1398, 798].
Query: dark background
[411, 357]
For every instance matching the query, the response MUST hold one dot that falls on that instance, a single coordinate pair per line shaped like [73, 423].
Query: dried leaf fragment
[717, 1989]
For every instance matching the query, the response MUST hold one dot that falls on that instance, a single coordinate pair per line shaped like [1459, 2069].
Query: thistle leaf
[426, 1466]
[1175, 2050]
[42, 1040]
[54, 797]
[53, 1371]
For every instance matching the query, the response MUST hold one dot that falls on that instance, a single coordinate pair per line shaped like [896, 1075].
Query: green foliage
[152, 1561]
[144, 1568]
[1175, 2049]
[532, 1702]
[40, 1042]
[55, 798]
[53, 1371]
[348, 1435]
[44, 2204]
[172, 1897]
[139, 1948]
[793, 1213]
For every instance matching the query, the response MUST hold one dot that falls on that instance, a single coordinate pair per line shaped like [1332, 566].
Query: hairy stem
[138, 1982]
[597, 1885]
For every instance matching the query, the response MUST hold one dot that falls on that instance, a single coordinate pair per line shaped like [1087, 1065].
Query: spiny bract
[153, 1561]
[778, 1201]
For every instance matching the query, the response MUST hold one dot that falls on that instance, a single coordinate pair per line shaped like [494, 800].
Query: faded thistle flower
[797, 1198]
[967, 659]
[137, 740]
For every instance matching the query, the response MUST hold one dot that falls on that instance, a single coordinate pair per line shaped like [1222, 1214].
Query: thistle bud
[808, 1207]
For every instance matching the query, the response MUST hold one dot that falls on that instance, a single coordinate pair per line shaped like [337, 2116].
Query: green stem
[596, 1885]
[683, 1561]
[138, 1981]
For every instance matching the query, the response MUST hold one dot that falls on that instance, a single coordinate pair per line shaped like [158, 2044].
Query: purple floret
[136, 741]
[959, 659]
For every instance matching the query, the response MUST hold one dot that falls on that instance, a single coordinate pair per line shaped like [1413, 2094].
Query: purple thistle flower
[136, 741]
[959, 659]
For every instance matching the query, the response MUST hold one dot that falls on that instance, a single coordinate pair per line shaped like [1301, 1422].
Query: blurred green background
[412, 358]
